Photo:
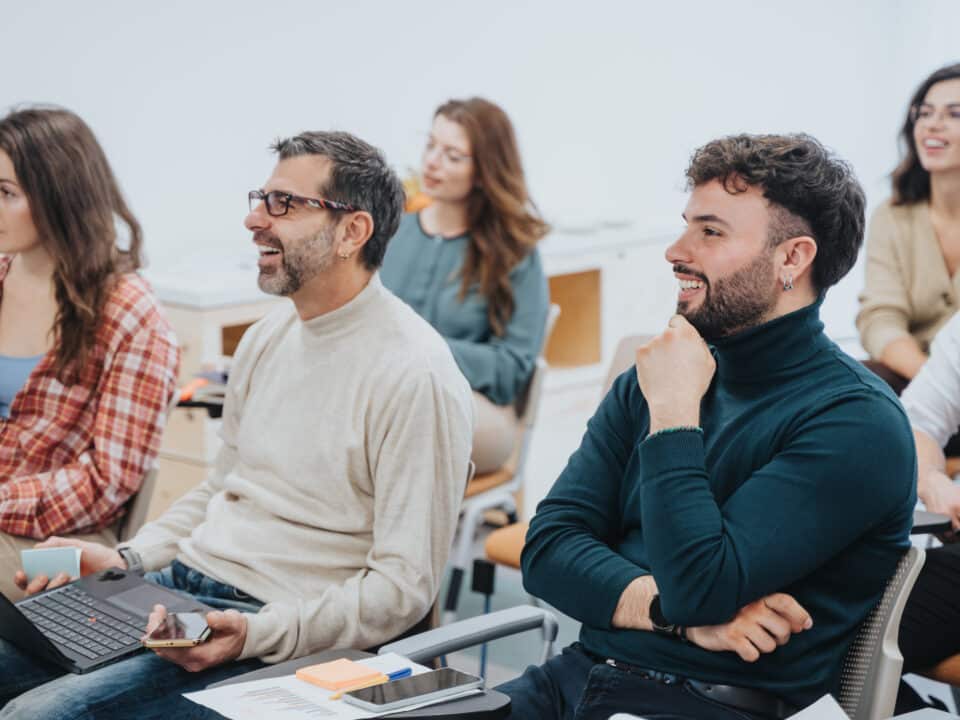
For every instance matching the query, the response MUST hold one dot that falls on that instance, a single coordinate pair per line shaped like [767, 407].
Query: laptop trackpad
[140, 600]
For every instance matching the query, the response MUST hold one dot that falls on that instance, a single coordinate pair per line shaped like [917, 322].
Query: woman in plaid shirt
[88, 363]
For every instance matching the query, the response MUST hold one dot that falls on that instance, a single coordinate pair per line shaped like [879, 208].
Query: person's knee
[50, 705]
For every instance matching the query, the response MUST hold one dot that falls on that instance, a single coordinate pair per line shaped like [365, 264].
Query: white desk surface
[208, 282]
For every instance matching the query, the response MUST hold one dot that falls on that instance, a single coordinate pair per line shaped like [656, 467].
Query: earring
[344, 254]
[788, 283]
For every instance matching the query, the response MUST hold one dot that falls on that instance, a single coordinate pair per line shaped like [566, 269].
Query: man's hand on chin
[674, 371]
[760, 627]
[228, 633]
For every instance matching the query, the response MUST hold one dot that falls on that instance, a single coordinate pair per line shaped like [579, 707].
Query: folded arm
[815, 497]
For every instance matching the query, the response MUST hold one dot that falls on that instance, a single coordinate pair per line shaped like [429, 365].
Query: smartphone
[179, 630]
[427, 687]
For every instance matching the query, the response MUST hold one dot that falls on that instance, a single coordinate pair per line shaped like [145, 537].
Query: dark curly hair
[911, 183]
[811, 190]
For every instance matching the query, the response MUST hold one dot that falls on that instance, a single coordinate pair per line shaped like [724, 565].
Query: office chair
[871, 668]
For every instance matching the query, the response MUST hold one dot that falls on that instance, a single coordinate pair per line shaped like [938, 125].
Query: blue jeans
[141, 687]
[572, 686]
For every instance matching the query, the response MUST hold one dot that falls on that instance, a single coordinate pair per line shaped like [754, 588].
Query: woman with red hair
[468, 264]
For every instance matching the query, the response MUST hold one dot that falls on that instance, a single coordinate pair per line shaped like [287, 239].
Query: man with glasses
[736, 509]
[346, 437]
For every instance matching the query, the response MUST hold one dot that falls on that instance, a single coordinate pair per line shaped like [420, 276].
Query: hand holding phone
[179, 630]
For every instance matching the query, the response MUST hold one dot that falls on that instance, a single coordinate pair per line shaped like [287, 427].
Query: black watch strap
[133, 560]
[661, 624]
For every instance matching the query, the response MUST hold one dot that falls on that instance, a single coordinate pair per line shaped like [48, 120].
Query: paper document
[826, 708]
[286, 698]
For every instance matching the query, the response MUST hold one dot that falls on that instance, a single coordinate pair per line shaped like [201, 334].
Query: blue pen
[397, 674]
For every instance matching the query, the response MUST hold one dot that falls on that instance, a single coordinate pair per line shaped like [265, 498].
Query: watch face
[659, 622]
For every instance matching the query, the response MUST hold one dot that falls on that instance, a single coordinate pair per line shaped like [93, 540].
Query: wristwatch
[133, 560]
[661, 624]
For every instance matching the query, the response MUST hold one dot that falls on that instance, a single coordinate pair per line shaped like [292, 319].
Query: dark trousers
[930, 627]
[572, 686]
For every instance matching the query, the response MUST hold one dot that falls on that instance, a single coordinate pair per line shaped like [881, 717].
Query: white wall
[609, 98]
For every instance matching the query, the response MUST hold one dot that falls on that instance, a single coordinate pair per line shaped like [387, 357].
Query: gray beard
[301, 262]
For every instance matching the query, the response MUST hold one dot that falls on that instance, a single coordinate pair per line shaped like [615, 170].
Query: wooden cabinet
[608, 283]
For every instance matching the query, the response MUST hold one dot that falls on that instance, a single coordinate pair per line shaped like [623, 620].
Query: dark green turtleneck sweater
[803, 481]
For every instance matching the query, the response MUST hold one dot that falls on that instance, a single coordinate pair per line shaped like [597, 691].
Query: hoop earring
[788, 283]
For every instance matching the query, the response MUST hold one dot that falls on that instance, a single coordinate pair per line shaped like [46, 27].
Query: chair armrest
[476, 630]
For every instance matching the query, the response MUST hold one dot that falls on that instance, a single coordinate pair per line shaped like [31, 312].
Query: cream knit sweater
[335, 497]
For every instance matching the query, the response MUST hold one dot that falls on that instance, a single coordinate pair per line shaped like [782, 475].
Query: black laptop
[91, 622]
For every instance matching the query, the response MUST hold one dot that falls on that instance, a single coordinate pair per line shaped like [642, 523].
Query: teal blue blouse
[424, 271]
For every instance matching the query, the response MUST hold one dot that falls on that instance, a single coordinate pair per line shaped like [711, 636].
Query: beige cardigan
[908, 290]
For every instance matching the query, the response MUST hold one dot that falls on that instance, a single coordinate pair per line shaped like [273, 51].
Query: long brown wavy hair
[503, 222]
[74, 202]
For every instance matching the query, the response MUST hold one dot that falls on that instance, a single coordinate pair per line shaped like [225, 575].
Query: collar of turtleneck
[347, 316]
[771, 348]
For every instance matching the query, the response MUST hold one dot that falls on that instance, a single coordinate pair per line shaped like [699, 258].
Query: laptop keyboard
[89, 627]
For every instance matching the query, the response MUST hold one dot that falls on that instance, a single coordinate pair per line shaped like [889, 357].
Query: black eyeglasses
[278, 203]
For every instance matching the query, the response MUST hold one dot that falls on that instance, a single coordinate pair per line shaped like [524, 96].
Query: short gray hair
[360, 176]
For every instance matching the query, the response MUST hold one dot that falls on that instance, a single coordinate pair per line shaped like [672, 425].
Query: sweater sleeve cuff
[675, 450]
[259, 628]
[878, 336]
[154, 557]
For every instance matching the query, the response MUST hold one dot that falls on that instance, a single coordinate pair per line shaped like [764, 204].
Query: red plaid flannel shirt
[71, 456]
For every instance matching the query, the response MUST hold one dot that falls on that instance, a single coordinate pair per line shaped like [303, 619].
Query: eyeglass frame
[288, 198]
[944, 112]
[449, 153]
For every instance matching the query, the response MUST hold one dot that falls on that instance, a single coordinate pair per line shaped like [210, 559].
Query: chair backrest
[529, 400]
[871, 668]
[623, 357]
[135, 516]
[137, 507]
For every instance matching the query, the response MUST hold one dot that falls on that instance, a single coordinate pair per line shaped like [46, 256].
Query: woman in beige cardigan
[913, 248]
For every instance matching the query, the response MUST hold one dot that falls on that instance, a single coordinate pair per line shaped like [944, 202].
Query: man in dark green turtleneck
[743, 494]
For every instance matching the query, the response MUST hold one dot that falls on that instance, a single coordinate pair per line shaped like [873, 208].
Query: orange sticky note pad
[337, 674]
